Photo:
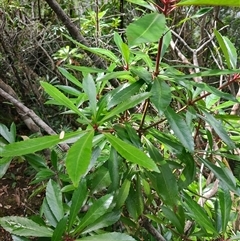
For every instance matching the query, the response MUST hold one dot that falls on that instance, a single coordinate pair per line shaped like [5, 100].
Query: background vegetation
[127, 115]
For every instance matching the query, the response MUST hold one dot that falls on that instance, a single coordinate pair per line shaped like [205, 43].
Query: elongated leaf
[123, 193]
[85, 69]
[59, 230]
[123, 48]
[230, 3]
[4, 166]
[108, 237]
[169, 214]
[24, 227]
[117, 75]
[98, 209]
[223, 174]
[131, 153]
[104, 221]
[48, 214]
[225, 203]
[127, 104]
[113, 164]
[143, 4]
[70, 77]
[62, 99]
[219, 129]
[33, 145]
[78, 157]
[198, 214]
[147, 29]
[54, 199]
[161, 95]
[124, 93]
[79, 195]
[228, 49]
[189, 172]
[180, 128]
[167, 185]
[90, 89]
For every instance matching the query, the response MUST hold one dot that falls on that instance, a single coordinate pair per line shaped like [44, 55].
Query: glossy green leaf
[6, 161]
[198, 214]
[54, 199]
[18, 238]
[127, 104]
[223, 174]
[69, 90]
[116, 75]
[44, 174]
[78, 198]
[166, 41]
[78, 157]
[167, 185]
[180, 129]
[161, 95]
[108, 237]
[90, 89]
[146, 29]
[143, 3]
[131, 153]
[70, 77]
[85, 69]
[125, 92]
[103, 221]
[62, 99]
[229, 3]
[123, 193]
[24, 227]
[219, 129]
[228, 49]
[98, 209]
[201, 12]
[59, 230]
[35, 144]
[225, 203]
[123, 48]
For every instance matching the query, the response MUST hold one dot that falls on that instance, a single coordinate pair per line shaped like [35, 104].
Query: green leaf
[24, 227]
[123, 48]
[62, 99]
[54, 199]
[143, 4]
[4, 166]
[201, 12]
[48, 214]
[59, 230]
[147, 29]
[228, 49]
[117, 75]
[78, 157]
[169, 214]
[123, 193]
[108, 237]
[161, 95]
[219, 129]
[8, 135]
[198, 214]
[225, 203]
[123, 93]
[90, 89]
[127, 104]
[78, 198]
[189, 172]
[85, 69]
[113, 165]
[180, 128]
[70, 77]
[36, 144]
[103, 221]
[98, 209]
[167, 185]
[223, 174]
[230, 3]
[131, 153]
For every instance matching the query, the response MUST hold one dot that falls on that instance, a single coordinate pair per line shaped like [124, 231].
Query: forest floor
[15, 194]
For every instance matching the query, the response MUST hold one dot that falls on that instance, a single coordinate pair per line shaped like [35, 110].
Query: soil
[15, 192]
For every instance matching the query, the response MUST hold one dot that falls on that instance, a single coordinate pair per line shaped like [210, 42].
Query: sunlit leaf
[230, 3]
[147, 29]
[131, 153]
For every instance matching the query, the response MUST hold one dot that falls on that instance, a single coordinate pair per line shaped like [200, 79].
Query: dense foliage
[155, 143]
